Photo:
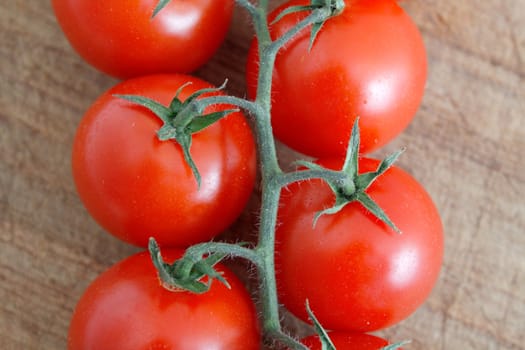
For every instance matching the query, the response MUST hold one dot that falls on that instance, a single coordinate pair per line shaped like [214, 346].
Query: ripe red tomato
[137, 186]
[369, 62]
[357, 273]
[120, 38]
[126, 308]
[348, 341]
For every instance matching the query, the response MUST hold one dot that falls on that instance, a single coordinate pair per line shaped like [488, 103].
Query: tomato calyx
[182, 119]
[353, 186]
[330, 9]
[184, 274]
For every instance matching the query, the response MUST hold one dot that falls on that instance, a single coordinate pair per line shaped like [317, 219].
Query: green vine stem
[199, 259]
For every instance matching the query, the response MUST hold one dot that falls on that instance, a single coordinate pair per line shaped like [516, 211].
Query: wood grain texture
[465, 146]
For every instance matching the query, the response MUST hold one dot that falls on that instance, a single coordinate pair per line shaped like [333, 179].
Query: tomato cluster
[354, 270]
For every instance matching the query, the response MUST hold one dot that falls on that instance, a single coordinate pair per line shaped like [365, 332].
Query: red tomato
[348, 341]
[369, 62]
[137, 186]
[357, 273]
[126, 308]
[120, 38]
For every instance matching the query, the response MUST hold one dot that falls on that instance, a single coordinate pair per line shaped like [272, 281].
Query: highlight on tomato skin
[126, 308]
[120, 37]
[356, 272]
[368, 62]
[136, 186]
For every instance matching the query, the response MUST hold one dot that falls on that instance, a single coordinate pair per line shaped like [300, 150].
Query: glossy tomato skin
[126, 308]
[137, 186]
[347, 341]
[356, 272]
[120, 38]
[369, 62]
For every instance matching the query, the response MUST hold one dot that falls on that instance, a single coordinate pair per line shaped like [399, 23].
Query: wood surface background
[466, 146]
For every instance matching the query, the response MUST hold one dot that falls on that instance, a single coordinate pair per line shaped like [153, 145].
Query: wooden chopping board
[466, 146]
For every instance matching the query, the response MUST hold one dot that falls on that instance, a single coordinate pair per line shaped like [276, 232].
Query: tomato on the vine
[127, 308]
[356, 272]
[121, 38]
[347, 341]
[368, 62]
[137, 186]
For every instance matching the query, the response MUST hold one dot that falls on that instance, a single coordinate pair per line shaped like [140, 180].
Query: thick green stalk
[265, 249]
[197, 251]
[272, 177]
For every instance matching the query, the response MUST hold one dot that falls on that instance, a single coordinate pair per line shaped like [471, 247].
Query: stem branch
[244, 104]
[297, 176]
[197, 251]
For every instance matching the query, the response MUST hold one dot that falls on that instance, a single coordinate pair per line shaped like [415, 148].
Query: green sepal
[335, 7]
[160, 5]
[176, 105]
[340, 203]
[184, 140]
[164, 113]
[316, 28]
[351, 164]
[367, 202]
[363, 181]
[205, 267]
[326, 342]
[177, 276]
[200, 123]
[396, 345]
[201, 92]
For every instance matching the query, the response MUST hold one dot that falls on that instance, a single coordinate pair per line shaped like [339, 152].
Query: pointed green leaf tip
[160, 5]
[335, 7]
[326, 342]
[375, 209]
[396, 345]
[203, 122]
[184, 141]
[316, 28]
